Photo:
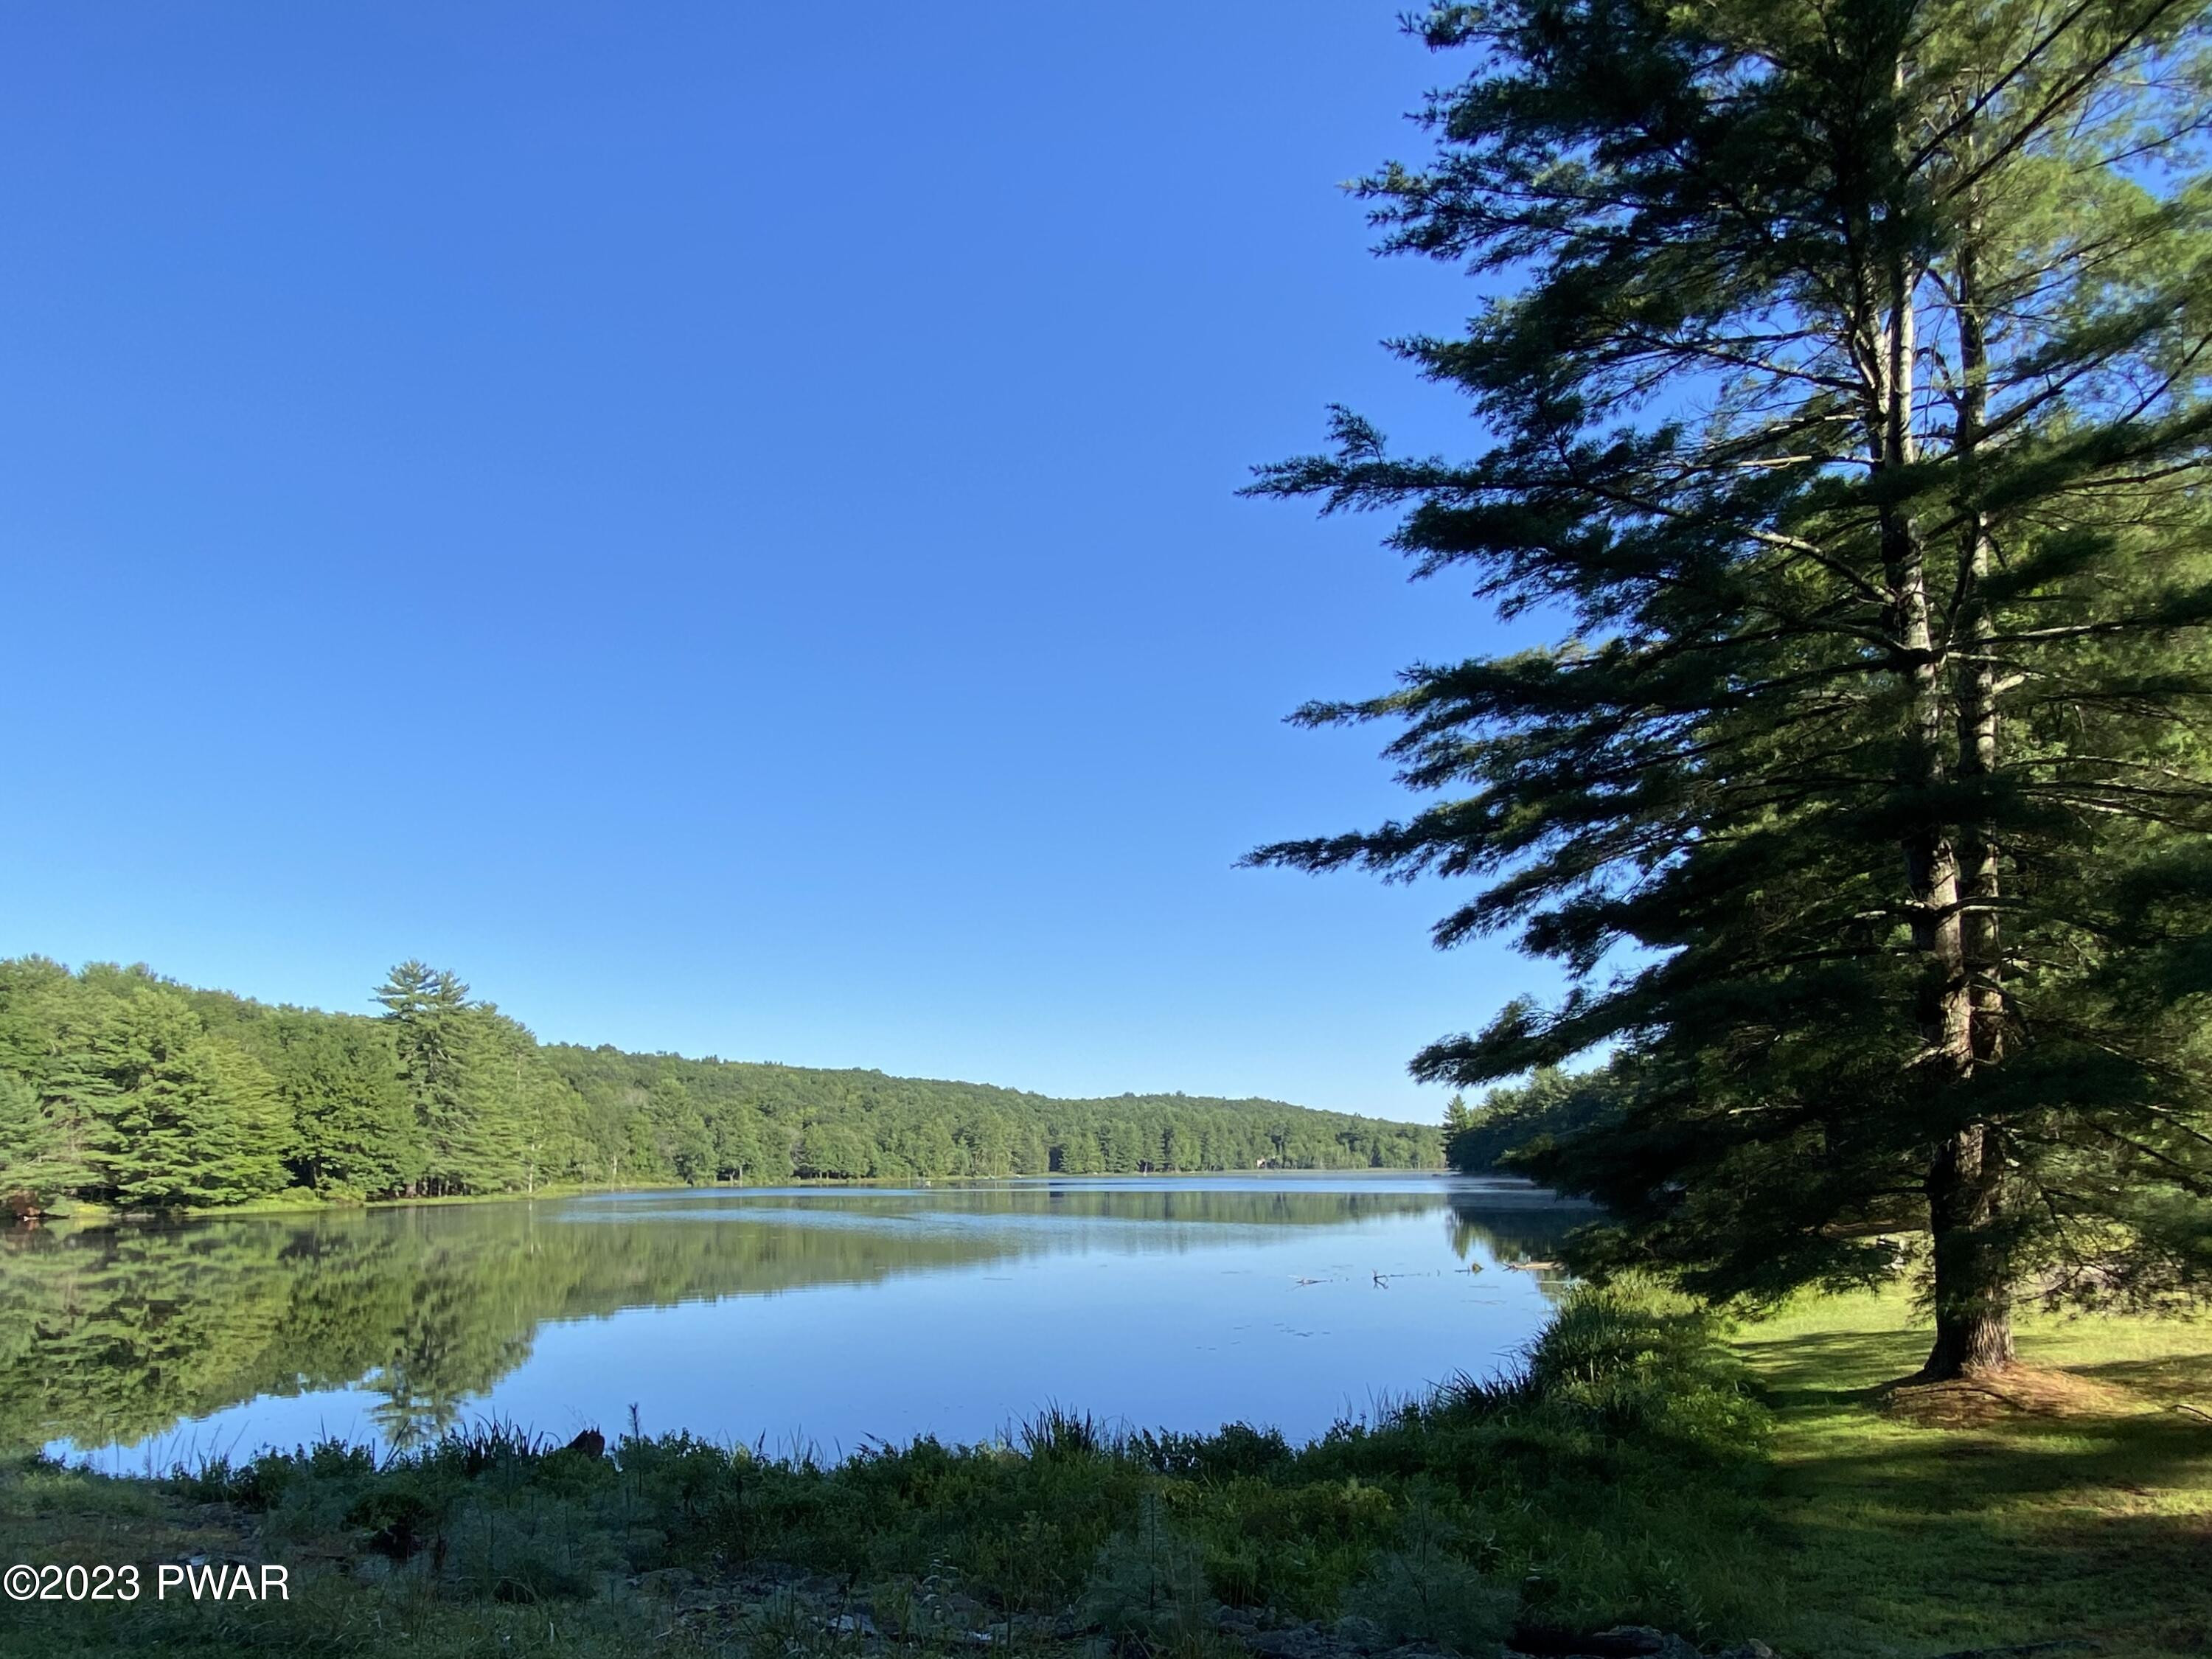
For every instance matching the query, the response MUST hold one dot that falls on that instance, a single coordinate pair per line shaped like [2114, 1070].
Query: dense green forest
[119, 1087]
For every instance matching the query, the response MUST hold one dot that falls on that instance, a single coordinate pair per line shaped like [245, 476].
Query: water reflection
[112, 1334]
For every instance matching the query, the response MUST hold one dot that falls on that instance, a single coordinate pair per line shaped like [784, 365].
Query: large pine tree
[439, 1039]
[1847, 407]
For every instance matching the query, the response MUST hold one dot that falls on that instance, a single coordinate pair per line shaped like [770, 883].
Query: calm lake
[789, 1316]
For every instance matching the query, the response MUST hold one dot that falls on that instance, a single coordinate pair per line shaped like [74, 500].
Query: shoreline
[1474, 1519]
[81, 1213]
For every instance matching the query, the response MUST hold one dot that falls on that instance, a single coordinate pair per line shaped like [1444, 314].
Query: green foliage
[1531, 1118]
[136, 1102]
[342, 1079]
[474, 1080]
[1148, 1585]
[29, 1143]
[121, 1088]
[766, 1123]
[1429, 1591]
[1849, 424]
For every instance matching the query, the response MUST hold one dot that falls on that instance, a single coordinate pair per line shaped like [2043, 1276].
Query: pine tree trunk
[1973, 1278]
[1980, 886]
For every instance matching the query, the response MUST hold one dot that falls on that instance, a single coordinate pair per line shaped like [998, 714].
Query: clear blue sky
[716, 522]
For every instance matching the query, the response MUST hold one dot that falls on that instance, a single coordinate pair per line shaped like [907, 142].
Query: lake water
[828, 1317]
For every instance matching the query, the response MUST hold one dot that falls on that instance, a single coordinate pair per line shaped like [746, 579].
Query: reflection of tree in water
[1515, 1225]
[112, 1333]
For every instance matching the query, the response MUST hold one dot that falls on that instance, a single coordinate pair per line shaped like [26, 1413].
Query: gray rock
[1665, 1646]
[1621, 1642]
[1364, 1634]
[1295, 1642]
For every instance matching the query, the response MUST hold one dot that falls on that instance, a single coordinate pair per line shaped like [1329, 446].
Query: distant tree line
[122, 1088]
[1514, 1122]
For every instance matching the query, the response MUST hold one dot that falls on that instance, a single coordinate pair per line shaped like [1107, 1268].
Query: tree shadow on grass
[2176, 1382]
[2069, 1508]
[1798, 1371]
[1882, 1581]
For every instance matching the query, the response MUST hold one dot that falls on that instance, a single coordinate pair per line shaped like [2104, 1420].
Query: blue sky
[716, 521]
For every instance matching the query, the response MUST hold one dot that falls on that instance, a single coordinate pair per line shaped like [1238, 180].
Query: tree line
[119, 1087]
[1516, 1123]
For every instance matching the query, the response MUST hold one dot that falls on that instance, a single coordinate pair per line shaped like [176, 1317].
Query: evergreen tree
[831, 1150]
[129, 1071]
[1517, 1126]
[427, 1011]
[1848, 403]
[31, 1173]
[519, 1124]
[1078, 1154]
[249, 1131]
[190, 1120]
[341, 1079]
[464, 1065]
[990, 1143]
[29, 988]
[61, 1023]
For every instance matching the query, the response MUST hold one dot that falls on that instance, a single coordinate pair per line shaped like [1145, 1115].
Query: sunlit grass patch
[2071, 1502]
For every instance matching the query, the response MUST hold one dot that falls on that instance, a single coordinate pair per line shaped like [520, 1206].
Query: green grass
[2082, 1512]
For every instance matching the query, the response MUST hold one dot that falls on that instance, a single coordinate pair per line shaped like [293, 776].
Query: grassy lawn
[2077, 1504]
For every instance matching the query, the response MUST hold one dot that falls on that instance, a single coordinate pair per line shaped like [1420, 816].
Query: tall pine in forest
[461, 1145]
[1846, 401]
[520, 1124]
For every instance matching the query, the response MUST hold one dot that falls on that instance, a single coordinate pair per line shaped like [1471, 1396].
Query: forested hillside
[117, 1086]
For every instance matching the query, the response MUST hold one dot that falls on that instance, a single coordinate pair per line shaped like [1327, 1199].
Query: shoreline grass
[1557, 1496]
[1648, 1465]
